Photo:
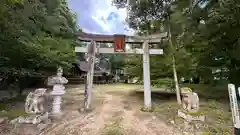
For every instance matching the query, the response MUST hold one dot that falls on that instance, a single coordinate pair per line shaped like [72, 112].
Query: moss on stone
[144, 109]
[198, 113]
[186, 90]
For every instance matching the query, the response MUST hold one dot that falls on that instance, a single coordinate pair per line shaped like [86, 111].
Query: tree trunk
[174, 65]
[21, 85]
[176, 81]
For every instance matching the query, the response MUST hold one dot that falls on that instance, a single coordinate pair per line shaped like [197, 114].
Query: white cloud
[102, 23]
[100, 16]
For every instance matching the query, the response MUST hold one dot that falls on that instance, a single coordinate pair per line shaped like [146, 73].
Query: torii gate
[120, 48]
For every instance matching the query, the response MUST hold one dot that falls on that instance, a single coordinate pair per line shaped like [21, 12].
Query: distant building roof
[83, 66]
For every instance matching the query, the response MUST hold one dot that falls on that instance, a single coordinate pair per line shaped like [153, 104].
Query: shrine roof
[82, 65]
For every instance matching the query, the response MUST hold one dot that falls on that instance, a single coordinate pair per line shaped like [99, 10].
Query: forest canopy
[204, 35]
[37, 36]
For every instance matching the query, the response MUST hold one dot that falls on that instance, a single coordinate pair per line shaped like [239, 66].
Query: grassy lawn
[218, 116]
[214, 104]
[210, 92]
[113, 128]
[12, 108]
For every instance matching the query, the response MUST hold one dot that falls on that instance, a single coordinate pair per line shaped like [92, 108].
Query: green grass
[210, 92]
[147, 109]
[114, 128]
[214, 104]
[198, 113]
[218, 115]
[4, 103]
[13, 113]
[8, 108]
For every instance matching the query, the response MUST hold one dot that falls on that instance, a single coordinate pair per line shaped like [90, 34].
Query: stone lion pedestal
[190, 107]
[191, 116]
[37, 118]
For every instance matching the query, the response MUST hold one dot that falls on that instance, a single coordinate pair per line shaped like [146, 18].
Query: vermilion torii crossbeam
[145, 51]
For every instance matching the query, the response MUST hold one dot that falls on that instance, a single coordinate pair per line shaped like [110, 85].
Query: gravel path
[110, 103]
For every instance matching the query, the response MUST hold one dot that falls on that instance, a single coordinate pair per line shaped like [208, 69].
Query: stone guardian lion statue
[190, 100]
[35, 101]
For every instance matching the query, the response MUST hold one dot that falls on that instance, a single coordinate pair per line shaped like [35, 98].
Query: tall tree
[212, 38]
[205, 30]
[150, 16]
[37, 36]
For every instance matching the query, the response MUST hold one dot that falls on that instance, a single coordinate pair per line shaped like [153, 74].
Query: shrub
[163, 83]
[140, 82]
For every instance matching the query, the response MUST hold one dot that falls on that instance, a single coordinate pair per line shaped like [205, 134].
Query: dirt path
[110, 107]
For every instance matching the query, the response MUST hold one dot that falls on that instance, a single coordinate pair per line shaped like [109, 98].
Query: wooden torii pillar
[120, 48]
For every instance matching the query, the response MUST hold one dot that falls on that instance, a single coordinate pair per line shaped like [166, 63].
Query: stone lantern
[57, 82]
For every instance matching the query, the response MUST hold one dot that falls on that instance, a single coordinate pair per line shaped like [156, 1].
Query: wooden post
[90, 73]
[234, 108]
[146, 76]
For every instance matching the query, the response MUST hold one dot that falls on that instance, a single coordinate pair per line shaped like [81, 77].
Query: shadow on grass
[8, 102]
[154, 95]
[205, 92]
[209, 92]
[13, 107]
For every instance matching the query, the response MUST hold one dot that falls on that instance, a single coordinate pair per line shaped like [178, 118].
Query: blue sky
[100, 16]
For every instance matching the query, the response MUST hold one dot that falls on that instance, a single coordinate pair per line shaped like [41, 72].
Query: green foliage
[117, 61]
[113, 61]
[163, 83]
[210, 92]
[37, 36]
[204, 37]
[215, 42]
[150, 17]
[133, 66]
